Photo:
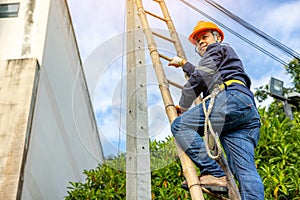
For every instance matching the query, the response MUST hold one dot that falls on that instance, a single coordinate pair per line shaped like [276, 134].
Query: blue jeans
[235, 118]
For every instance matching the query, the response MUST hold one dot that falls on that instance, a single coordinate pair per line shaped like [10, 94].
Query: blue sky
[99, 28]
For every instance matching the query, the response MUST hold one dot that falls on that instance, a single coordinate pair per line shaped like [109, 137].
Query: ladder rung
[156, 16]
[163, 37]
[165, 57]
[175, 84]
[217, 196]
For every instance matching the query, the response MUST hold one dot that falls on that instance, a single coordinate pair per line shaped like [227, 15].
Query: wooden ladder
[188, 167]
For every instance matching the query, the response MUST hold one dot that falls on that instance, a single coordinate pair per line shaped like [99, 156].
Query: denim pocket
[236, 108]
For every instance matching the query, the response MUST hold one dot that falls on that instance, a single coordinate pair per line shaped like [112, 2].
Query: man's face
[204, 39]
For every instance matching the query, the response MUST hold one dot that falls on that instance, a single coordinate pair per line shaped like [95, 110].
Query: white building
[48, 132]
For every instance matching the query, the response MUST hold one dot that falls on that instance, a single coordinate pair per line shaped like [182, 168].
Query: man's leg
[240, 135]
[239, 147]
[185, 129]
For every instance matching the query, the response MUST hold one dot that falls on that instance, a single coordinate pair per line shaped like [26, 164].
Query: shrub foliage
[277, 159]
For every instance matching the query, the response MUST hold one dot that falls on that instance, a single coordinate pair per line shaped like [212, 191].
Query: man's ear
[219, 38]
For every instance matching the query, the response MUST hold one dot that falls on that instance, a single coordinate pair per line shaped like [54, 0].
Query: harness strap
[229, 82]
[207, 123]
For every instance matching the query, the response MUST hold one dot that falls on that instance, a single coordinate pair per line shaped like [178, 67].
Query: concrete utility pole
[138, 178]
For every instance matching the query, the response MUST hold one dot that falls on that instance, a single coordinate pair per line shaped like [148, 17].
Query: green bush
[277, 156]
[108, 180]
[277, 159]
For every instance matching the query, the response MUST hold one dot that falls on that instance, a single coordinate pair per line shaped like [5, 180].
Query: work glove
[177, 62]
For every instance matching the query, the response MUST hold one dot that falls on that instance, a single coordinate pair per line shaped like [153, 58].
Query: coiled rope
[208, 129]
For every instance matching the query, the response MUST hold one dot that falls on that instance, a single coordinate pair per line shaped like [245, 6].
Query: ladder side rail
[171, 27]
[233, 191]
[162, 80]
[187, 165]
[174, 36]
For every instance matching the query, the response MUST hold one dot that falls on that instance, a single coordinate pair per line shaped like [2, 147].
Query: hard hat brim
[196, 32]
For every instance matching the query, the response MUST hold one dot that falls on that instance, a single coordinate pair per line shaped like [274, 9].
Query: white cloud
[284, 18]
[95, 22]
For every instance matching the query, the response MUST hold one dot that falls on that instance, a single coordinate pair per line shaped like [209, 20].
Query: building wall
[24, 36]
[64, 138]
[18, 83]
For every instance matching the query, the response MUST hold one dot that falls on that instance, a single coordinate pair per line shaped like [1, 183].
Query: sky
[99, 27]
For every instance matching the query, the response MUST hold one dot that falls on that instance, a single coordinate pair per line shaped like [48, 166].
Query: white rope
[208, 125]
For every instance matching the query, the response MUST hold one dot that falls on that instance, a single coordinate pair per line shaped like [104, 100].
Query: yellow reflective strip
[205, 69]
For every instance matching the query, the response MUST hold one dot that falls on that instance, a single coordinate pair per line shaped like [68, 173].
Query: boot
[214, 184]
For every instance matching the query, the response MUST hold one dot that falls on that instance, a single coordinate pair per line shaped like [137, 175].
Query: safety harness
[207, 123]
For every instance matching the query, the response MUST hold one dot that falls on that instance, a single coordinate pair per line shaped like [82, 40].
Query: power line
[255, 30]
[237, 34]
[121, 75]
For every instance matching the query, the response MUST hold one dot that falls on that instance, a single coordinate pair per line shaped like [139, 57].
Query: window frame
[11, 12]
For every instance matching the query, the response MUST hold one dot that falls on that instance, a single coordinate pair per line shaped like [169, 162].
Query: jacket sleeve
[192, 89]
[201, 76]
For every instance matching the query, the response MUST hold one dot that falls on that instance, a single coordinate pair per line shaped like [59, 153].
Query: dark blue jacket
[218, 64]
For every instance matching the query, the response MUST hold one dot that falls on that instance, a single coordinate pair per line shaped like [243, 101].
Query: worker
[234, 116]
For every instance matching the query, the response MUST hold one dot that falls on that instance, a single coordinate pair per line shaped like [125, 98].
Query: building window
[9, 10]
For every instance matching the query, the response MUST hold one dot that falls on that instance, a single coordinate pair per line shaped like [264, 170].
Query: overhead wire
[255, 30]
[237, 34]
[121, 77]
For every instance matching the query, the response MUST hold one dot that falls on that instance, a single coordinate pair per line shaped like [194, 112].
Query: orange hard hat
[202, 26]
